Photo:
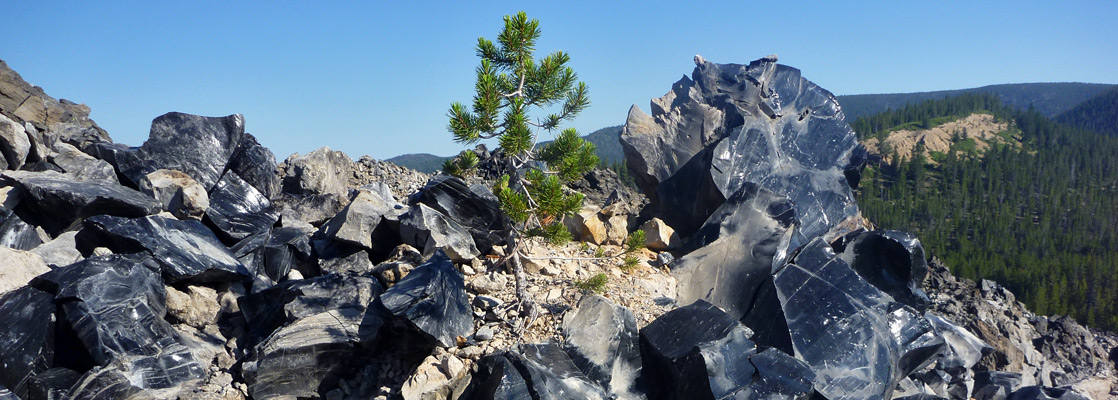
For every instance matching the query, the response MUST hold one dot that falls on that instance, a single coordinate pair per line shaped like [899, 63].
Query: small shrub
[629, 263]
[596, 283]
[635, 241]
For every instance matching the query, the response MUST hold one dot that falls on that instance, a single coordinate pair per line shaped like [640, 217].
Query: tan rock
[179, 194]
[586, 226]
[659, 236]
[617, 230]
[198, 306]
[13, 139]
[978, 127]
[19, 268]
[392, 272]
[442, 377]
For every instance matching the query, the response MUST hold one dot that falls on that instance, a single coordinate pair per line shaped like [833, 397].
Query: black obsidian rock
[736, 249]
[696, 352]
[892, 261]
[306, 358]
[553, 376]
[16, 233]
[58, 201]
[859, 342]
[250, 253]
[781, 376]
[186, 250]
[433, 299]
[26, 337]
[256, 165]
[309, 333]
[729, 124]
[267, 310]
[471, 206]
[498, 378]
[272, 255]
[116, 304]
[130, 168]
[52, 384]
[602, 341]
[238, 210]
[429, 230]
[105, 384]
[199, 146]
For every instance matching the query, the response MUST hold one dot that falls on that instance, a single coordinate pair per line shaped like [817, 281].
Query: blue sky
[377, 78]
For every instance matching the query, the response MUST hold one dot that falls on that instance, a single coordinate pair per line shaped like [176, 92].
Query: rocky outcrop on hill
[225, 276]
[44, 119]
[1032, 349]
[981, 129]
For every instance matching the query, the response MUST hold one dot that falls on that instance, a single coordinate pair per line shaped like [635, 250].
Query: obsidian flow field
[194, 266]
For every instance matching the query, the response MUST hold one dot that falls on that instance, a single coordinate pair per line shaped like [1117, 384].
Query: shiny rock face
[730, 124]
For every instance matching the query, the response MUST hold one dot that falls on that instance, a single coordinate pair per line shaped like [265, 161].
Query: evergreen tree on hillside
[511, 83]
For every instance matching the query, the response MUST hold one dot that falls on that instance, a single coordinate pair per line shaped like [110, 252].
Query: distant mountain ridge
[422, 162]
[1049, 99]
[1099, 114]
[605, 139]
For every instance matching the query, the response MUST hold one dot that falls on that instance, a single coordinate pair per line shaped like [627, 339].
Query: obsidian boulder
[198, 146]
[306, 358]
[116, 305]
[696, 352]
[892, 261]
[729, 124]
[429, 230]
[498, 378]
[16, 233]
[269, 309]
[55, 201]
[858, 341]
[602, 340]
[735, 250]
[474, 207]
[433, 299]
[186, 250]
[552, 375]
[256, 165]
[26, 337]
[237, 210]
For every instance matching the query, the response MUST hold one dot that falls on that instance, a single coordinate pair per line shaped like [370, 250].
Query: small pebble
[484, 334]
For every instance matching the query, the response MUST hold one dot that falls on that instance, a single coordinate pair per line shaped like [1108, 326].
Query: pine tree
[510, 84]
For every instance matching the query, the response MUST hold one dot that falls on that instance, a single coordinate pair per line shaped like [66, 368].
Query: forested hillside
[1099, 114]
[421, 162]
[1040, 217]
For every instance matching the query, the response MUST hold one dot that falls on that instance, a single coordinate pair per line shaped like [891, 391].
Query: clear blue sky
[377, 78]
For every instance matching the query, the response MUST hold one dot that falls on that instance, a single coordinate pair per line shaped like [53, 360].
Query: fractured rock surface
[433, 299]
[62, 200]
[186, 250]
[199, 146]
[730, 124]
